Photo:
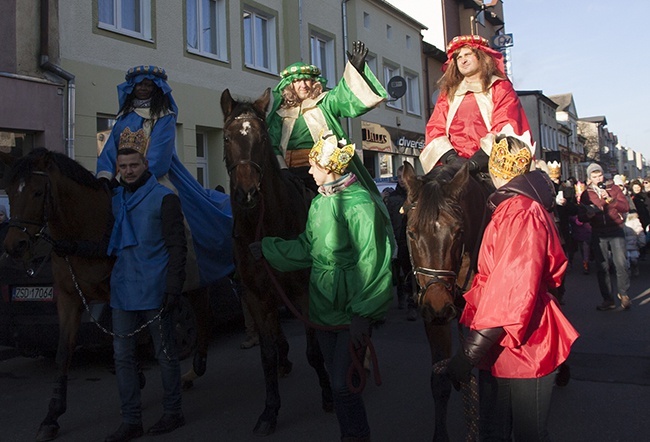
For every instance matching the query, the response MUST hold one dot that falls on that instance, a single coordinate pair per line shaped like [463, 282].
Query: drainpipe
[300, 32]
[60, 72]
[344, 13]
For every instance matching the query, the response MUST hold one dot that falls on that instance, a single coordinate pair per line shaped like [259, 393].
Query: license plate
[32, 294]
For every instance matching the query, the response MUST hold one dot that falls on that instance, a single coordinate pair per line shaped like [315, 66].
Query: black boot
[125, 433]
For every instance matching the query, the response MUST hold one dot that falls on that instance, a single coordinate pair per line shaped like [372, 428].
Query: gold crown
[506, 165]
[137, 140]
[554, 169]
[330, 154]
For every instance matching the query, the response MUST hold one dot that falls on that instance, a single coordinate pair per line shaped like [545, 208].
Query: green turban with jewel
[299, 71]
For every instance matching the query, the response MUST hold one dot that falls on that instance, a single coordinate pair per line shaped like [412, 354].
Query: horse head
[44, 190]
[29, 192]
[436, 227]
[247, 149]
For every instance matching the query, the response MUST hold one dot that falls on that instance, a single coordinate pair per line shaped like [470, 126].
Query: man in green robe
[302, 110]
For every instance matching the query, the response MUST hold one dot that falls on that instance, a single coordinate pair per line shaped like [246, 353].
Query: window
[371, 61]
[366, 20]
[408, 42]
[129, 17]
[412, 94]
[206, 28]
[259, 41]
[17, 144]
[322, 55]
[390, 72]
[104, 125]
[202, 158]
[389, 32]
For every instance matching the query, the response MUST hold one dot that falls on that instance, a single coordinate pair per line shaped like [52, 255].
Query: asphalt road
[606, 400]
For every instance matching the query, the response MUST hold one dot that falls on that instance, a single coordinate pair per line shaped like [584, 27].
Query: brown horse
[53, 197]
[265, 204]
[446, 220]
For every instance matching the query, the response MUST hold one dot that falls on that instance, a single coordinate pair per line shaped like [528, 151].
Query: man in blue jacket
[148, 240]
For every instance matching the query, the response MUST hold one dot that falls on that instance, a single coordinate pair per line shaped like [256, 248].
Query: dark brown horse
[446, 220]
[52, 196]
[265, 204]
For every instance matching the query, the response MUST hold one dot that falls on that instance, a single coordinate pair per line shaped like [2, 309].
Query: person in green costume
[347, 246]
[302, 109]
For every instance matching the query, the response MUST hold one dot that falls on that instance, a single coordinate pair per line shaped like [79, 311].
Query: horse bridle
[445, 277]
[22, 224]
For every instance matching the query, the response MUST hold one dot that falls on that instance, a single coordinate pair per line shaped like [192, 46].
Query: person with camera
[605, 206]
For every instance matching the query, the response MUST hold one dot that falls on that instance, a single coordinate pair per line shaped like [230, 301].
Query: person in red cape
[518, 336]
[476, 103]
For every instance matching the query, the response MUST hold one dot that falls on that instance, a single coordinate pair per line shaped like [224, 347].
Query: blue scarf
[123, 234]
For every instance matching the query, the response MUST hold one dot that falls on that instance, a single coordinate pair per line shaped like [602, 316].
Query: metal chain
[110, 332]
[469, 391]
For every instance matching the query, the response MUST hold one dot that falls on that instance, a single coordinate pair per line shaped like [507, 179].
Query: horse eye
[410, 233]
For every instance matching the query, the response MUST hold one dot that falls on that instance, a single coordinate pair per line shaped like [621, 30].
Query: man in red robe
[477, 102]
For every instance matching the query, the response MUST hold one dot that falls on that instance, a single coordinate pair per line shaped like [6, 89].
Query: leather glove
[459, 369]
[172, 301]
[65, 247]
[358, 56]
[256, 250]
[479, 161]
[109, 185]
[359, 327]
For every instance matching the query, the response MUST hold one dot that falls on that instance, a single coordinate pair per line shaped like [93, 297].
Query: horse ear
[262, 103]
[227, 103]
[7, 158]
[458, 183]
[411, 181]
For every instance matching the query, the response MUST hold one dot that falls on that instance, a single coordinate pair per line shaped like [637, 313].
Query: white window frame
[413, 105]
[216, 16]
[389, 72]
[117, 24]
[202, 161]
[267, 43]
[322, 55]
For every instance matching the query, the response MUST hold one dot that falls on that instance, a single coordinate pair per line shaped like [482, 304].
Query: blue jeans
[126, 367]
[601, 247]
[349, 407]
[518, 406]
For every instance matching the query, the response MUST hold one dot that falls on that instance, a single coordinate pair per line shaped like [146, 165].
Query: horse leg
[316, 360]
[439, 337]
[200, 301]
[267, 321]
[69, 319]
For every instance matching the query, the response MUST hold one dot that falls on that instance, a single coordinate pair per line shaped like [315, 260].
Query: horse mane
[25, 166]
[433, 199]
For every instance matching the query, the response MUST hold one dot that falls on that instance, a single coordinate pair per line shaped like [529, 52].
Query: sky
[596, 50]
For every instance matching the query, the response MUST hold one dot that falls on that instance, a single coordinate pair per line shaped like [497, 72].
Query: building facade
[63, 65]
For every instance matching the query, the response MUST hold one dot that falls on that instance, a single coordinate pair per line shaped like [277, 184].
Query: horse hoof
[327, 401]
[199, 364]
[285, 369]
[187, 385]
[47, 432]
[264, 428]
